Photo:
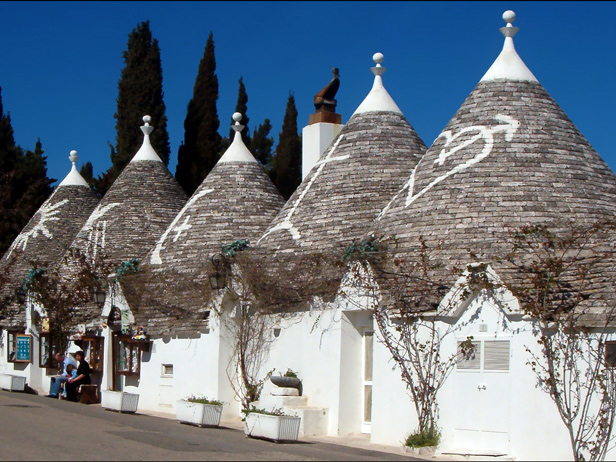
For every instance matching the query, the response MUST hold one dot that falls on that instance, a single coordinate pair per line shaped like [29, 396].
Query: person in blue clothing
[58, 380]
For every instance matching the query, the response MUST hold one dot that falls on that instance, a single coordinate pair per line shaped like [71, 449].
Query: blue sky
[60, 62]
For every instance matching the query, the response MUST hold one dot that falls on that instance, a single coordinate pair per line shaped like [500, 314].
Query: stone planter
[202, 415]
[287, 382]
[119, 401]
[422, 451]
[12, 382]
[272, 427]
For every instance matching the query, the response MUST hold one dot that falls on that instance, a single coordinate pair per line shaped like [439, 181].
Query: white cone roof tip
[378, 100]
[74, 178]
[237, 152]
[146, 151]
[508, 64]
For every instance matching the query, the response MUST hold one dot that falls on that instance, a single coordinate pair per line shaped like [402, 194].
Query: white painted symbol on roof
[45, 214]
[155, 257]
[286, 223]
[97, 229]
[486, 134]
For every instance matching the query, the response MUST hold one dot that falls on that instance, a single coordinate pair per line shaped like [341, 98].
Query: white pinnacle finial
[146, 128]
[378, 59]
[237, 126]
[73, 157]
[509, 30]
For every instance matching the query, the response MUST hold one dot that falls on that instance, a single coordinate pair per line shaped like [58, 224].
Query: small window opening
[167, 370]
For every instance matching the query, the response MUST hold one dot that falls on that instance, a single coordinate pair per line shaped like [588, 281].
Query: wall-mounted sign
[23, 348]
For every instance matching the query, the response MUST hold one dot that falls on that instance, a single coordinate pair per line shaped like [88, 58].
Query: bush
[420, 439]
[202, 400]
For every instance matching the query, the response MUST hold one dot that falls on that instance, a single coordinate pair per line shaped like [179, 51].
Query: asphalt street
[38, 428]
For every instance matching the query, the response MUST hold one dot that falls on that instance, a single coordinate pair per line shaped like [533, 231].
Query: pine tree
[140, 92]
[261, 144]
[200, 150]
[286, 172]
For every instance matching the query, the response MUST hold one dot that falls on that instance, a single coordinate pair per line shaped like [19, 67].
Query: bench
[88, 394]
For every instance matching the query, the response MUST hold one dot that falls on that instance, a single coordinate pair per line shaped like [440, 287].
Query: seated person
[83, 377]
[72, 373]
[58, 380]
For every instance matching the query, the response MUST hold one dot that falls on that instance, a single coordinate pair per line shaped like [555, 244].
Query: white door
[368, 340]
[483, 397]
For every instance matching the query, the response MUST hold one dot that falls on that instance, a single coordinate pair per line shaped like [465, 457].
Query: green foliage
[24, 185]
[286, 172]
[200, 150]
[421, 439]
[140, 92]
[242, 108]
[87, 172]
[255, 410]
[33, 273]
[290, 373]
[261, 144]
[202, 400]
[363, 250]
[130, 266]
[230, 250]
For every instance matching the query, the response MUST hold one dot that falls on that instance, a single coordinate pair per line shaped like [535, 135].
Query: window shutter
[469, 360]
[496, 355]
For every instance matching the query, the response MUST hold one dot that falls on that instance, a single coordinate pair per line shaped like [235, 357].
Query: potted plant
[423, 443]
[120, 401]
[272, 425]
[288, 380]
[200, 411]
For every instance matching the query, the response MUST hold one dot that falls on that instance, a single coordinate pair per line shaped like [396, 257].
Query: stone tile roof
[129, 220]
[237, 200]
[44, 240]
[509, 157]
[355, 177]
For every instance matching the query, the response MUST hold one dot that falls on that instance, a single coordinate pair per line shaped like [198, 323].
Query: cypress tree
[242, 108]
[286, 172]
[200, 150]
[261, 144]
[87, 172]
[24, 185]
[140, 92]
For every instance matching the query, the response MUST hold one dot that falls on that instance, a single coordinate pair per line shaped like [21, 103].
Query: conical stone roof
[509, 157]
[365, 165]
[46, 237]
[237, 200]
[132, 215]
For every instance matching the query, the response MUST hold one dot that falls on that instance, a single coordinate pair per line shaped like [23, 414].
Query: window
[93, 348]
[469, 356]
[10, 351]
[610, 353]
[46, 349]
[128, 355]
[167, 370]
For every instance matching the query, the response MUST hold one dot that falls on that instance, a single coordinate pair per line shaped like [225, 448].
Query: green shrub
[202, 400]
[290, 373]
[255, 410]
[420, 439]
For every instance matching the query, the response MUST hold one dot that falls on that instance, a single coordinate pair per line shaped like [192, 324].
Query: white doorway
[483, 392]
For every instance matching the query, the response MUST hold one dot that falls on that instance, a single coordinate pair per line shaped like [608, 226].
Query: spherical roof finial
[147, 119]
[508, 16]
[73, 156]
[237, 117]
[378, 58]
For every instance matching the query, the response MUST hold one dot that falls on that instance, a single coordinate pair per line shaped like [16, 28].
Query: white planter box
[119, 401]
[272, 427]
[198, 413]
[12, 382]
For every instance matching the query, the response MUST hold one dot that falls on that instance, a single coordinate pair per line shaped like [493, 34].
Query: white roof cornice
[237, 152]
[146, 151]
[378, 100]
[74, 178]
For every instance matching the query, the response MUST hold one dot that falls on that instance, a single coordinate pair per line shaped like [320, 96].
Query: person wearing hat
[58, 380]
[83, 377]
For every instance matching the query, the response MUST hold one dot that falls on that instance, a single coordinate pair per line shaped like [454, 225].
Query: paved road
[37, 428]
